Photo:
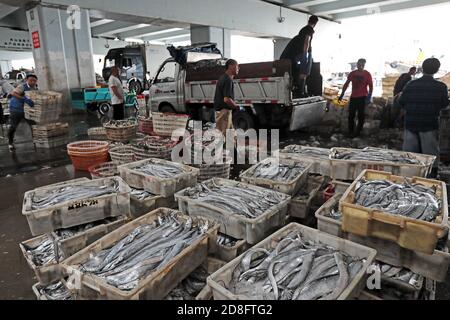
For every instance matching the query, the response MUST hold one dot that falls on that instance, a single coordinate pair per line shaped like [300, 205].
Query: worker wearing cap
[16, 106]
[362, 88]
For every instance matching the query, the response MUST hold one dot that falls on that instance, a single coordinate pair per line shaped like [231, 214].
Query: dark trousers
[14, 119]
[2, 120]
[357, 105]
[118, 111]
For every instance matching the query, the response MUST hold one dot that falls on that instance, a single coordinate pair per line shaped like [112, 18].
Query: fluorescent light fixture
[134, 40]
[160, 32]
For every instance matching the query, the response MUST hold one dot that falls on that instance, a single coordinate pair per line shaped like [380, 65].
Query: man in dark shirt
[299, 51]
[422, 100]
[224, 97]
[403, 80]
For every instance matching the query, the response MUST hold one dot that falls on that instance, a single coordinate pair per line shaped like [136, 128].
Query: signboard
[35, 39]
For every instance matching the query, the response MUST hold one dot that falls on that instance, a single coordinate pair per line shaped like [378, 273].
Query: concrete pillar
[279, 46]
[5, 67]
[212, 34]
[62, 48]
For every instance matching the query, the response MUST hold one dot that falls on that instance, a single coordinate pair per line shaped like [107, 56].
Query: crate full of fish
[280, 174]
[72, 240]
[194, 286]
[53, 291]
[320, 157]
[433, 266]
[43, 258]
[244, 211]
[74, 202]
[227, 248]
[158, 176]
[144, 259]
[347, 164]
[295, 263]
[301, 201]
[399, 209]
[142, 202]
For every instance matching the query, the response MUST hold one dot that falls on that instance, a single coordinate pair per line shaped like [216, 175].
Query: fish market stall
[433, 266]
[397, 209]
[320, 157]
[280, 174]
[75, 202]
[157, 176]
[295, 263]
[243, 211]
[301, 202]
[142, 202]
[347, 164]
[144, 259]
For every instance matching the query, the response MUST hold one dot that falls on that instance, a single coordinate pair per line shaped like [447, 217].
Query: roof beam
[165, 35]
[99, 22]
[348, 5]
[114, 27]
[389, 8]
[6, 10]
[141, 32]
[247, 18]
[305, 3]
[178, 38]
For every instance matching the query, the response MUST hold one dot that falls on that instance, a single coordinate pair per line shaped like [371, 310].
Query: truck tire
[135, 86]
[243, 120]
[104, 108]
[166, 108]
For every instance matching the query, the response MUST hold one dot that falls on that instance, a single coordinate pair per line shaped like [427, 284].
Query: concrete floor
[27, 169]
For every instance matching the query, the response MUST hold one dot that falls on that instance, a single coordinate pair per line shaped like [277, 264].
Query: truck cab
[131, 62]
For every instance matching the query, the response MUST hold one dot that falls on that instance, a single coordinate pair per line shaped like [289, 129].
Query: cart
[99, 100]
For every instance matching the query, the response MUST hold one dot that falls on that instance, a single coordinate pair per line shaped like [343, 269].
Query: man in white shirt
[117, 94]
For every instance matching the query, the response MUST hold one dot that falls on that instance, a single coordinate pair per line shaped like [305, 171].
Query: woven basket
[155, 147]
[103, 170]
[121, 134]
[208, 171]
[97, 133]
[85, 154]
[164, 124]
[145, 125]
[122, 154]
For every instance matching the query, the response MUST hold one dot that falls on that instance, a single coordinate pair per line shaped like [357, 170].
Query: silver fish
[372, 154]
[56, 291]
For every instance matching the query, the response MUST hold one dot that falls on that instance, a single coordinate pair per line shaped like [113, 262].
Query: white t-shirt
[115, 82]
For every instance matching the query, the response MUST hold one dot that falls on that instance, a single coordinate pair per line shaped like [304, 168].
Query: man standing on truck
[116, 91]
[422, 100]
[361, 80]
[224, 97]
[299, 51]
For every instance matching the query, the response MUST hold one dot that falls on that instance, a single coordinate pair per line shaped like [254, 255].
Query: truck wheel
[135, 86]
[104, 108]
[167, 108]
[243, 120]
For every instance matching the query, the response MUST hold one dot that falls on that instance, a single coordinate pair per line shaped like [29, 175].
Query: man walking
[362, 88]
[224, 97]
[5, 90]
[117, 94]
[422, 100]
[16, 104]
[299, 51]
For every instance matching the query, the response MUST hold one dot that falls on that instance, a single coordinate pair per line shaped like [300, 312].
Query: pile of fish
[335, 213]
[56, 291]
[160, 170]
[373, 154]
[73, 231]
[144, 250]
[307, 151]
[190, 287]
[399, 273]
[296, 269]
[70, 193]
[237, 199]
[410, 200]
[120, 123]
[277, 171]
[225, 240]
[141, 194]
[44, 253]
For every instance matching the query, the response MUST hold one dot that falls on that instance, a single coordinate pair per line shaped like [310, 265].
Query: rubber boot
[299, 92]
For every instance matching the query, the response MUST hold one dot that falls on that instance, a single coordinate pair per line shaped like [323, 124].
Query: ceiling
[345, 9]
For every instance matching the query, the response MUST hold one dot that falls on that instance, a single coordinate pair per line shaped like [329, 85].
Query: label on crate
[82, 204]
